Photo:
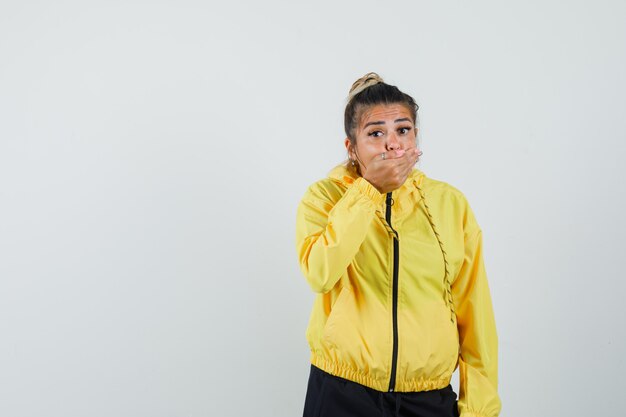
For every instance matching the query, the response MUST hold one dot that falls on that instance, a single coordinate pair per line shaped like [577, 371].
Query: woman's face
[382, 128]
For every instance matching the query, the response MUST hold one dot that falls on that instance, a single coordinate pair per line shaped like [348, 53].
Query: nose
[392, 142]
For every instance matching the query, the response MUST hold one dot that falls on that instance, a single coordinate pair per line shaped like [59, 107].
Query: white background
[152, 155]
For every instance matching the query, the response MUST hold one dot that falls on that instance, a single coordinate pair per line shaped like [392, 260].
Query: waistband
[390, 403]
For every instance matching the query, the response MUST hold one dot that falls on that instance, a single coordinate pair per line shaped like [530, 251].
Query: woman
[396, 261]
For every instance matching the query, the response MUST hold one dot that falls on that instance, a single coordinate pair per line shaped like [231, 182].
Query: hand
[389, 174]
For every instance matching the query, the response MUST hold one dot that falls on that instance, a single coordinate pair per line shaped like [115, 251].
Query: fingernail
[400, 152]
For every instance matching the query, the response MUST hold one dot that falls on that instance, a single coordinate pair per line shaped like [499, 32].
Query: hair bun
[368, 80]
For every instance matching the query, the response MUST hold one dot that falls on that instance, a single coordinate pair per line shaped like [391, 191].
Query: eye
[376, 133]
[404, 130]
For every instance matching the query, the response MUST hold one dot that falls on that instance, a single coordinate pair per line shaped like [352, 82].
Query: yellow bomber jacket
[402, 294]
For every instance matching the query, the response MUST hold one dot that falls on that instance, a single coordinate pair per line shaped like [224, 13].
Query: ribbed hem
[379, 384]
[421, 384]
[346, 372]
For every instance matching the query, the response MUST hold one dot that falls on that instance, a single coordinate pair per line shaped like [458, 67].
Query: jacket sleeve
[478, 361]
[329, 233]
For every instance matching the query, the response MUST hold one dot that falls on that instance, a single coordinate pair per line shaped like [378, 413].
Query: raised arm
[330, 231]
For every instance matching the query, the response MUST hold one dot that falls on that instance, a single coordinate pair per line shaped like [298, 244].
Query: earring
[353, 163]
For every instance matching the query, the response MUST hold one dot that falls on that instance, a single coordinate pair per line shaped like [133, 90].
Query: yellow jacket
[402, 294]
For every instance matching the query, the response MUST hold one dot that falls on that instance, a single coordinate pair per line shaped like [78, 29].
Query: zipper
[396, 259]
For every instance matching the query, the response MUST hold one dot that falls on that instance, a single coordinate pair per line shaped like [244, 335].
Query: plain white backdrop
[152, 155]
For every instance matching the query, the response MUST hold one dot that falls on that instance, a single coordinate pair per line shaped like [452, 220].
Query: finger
[409, 162]
[415, 155]
[376, 159]
[381, 158]
[411, 156]
[405, 166]
[405, 162]
[413, 152]
[395, 154]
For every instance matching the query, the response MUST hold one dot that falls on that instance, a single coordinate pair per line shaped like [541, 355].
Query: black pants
[330, 396]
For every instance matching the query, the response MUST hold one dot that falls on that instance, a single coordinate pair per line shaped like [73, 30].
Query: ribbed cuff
[471, 414]
[366, 188]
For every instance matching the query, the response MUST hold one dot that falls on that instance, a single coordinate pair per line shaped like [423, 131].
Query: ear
[349, 148]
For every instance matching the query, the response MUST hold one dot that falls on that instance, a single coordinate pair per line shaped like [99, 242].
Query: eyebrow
[404, 119]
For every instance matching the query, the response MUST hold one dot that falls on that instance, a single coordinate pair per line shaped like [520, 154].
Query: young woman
[396, 260]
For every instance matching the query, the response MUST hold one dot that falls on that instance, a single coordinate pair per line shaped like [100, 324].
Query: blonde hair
[369, 79]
